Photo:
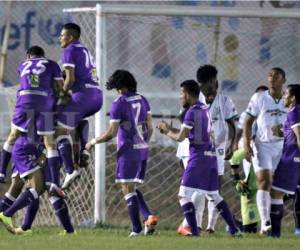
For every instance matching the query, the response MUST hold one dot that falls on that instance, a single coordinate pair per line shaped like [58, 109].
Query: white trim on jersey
[295, 125]
[69, 65]
[186, 126]
[114, 120]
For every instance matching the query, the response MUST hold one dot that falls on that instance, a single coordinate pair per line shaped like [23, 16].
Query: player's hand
[229, 153]
[89, 146]
[242, 187]
[163, 127]
[277, 130]
[248, 153]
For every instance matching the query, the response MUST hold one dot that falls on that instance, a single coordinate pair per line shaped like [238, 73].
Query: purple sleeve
[115, 111]
[188, 121]
[20, 68]
[68, 57]
[147, 105]
[294, 118]
[57, 74]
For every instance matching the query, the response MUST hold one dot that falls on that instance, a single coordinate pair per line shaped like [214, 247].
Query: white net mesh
[162, 51]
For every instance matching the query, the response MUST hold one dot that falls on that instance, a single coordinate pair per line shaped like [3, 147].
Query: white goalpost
[161, 45]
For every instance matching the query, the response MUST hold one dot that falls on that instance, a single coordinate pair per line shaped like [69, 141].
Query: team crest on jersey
[275, 112]
[34, 80]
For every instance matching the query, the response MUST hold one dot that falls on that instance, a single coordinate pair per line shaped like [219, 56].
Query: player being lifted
[201, 173]
[131, 120]
[268, 110]
[287, 174]
[39, 79]
[86, 96]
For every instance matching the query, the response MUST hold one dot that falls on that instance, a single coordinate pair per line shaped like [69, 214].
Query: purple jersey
[201, 172]
[75, 55]
[290, 147]
[37, 75]
[197, 119]
[287, 174]
[131, 110]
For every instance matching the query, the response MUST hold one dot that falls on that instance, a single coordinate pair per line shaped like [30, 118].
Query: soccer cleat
[56, 191]
[297, 232]
[185, 231]
[134, 234]
[65, 233]
[20, 231]
[266, 228]
[7, 223]
[70, 178]
[84, 160]
[237, 234]
[150, 224]
[210, 231]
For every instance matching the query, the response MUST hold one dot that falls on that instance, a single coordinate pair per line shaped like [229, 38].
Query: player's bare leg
[6, 151]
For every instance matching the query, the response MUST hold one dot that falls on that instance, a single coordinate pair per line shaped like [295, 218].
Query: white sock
[199, 203]
[263, 201]
[213, 214]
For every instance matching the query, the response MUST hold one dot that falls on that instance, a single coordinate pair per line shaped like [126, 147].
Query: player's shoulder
[222, 98]
[118, 99]
[261, 96]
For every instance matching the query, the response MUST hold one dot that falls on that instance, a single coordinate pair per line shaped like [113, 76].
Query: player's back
[198, 118]
[132, 134]
[79, 57]
[37, 76]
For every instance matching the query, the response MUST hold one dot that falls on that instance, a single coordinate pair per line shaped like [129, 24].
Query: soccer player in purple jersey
[28, 160]
[86, 97]
[131, 120]
[40, 78]
[201, 173]
[287, 173]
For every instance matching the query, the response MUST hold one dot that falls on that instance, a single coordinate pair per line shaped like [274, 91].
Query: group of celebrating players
[51, 111]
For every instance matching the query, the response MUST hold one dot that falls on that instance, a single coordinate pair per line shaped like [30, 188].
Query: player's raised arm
[173, 133]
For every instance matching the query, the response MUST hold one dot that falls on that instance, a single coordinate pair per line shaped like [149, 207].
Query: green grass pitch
[117, 239]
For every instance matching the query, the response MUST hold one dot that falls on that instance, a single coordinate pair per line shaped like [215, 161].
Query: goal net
[162, 50]
[163, 46]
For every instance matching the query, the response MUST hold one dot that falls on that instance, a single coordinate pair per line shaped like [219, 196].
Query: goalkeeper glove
[242, 187]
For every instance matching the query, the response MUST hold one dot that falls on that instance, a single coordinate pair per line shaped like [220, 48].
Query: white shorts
[266, 155]
[183, 149]
[188, 192]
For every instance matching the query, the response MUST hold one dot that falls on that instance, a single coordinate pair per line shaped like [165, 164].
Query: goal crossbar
[188, 11]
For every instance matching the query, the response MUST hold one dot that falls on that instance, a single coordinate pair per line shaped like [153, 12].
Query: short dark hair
[261, 88]
[73, 29]
[35, 51]
[206, 72]
[294, 90]
[191, 87]
[280, 71]
[122, 79]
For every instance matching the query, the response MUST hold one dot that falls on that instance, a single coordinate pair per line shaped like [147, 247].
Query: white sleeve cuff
[69, 65]
[186, 126]
[295, 125]
[114, 120]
